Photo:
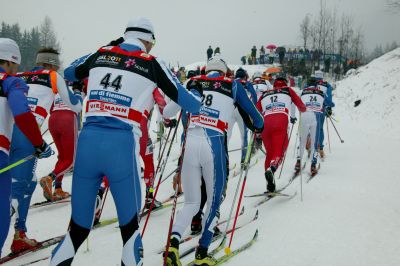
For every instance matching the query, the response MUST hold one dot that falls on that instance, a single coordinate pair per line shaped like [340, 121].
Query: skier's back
[121, 82]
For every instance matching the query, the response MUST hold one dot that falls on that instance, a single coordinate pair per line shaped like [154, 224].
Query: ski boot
[202, 258]
[59, 194]
[217, 231]
[314, 169]
[196, 225]
[149, 199]
[99, 203]
[269, 176]
[173, 253]
[297, 167]
[47, 184]
[321, 154]
[21, 242]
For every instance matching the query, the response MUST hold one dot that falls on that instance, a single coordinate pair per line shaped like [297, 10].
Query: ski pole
[45, 132]
[161, 176]
[171, 221]
[247, 162]
[11, 166]
[104, 201]
[329, 141]
[341, 140]
[284, 156]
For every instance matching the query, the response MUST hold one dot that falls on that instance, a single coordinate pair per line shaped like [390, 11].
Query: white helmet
[9, 51]
[140, 28]
[216, 63]
[319, 74]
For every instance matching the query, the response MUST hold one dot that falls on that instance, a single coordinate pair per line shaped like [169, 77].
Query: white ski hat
[9, 51]
[216, 63]
[319, 74]
[140, 28]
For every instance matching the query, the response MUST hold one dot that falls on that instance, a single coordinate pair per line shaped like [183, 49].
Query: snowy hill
[349, 215]
[377, 85]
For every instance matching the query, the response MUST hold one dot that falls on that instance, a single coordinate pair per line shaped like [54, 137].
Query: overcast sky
[185, 28]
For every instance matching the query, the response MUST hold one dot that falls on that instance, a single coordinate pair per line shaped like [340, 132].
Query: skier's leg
[24, 181]
[268, 144]
[191, 182]
[91, 156]
[68, 132]
[5, 195]
[213, 159]
[315, 135]
[125, 189]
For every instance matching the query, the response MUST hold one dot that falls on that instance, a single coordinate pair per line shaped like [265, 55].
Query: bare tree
[48, 37]
[393, 5]
[305, 30]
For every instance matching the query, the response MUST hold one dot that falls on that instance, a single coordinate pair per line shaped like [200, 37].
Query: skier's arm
[159, 100]
[297, 100]
[79, 69]
[247, 106]
[328, 100]
[252, 91]
[73, 100]
[171, 86]
[15, 90]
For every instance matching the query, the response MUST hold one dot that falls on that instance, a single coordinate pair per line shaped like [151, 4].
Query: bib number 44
[116, 83]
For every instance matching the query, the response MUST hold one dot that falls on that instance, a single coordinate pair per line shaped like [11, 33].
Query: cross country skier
[242, 77]
[44, 84]
[14, 107]
[206, 153]
[122, 79]
[328, 105]
[63, 127]
[313, 97]
[275, 104]
[260, 84]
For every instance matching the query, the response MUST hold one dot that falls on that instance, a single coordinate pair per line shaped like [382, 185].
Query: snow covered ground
[350, 212]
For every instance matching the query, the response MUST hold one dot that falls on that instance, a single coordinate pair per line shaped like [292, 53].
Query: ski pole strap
[27, 158]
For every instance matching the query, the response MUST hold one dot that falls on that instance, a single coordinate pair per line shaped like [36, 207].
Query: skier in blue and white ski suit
[122, 79]
[327, 111]
[205, 152]
[314, 97]
[44, 85]
[242, 76]
[14, 108]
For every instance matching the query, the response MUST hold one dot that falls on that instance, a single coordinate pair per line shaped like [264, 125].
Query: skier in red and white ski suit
[274, 104]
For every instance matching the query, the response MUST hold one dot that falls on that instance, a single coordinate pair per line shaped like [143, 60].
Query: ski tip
[241, 211]
[256, 216]
[255, 235]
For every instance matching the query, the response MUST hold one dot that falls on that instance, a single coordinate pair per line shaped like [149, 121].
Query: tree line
[31, 40]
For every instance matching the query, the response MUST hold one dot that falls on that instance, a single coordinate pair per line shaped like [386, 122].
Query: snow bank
[377, 85]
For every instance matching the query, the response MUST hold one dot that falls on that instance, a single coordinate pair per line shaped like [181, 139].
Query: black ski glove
[43, 151]
[168, 123]
[195, 85]
[328, 111]
[293, 120]
[259, 130]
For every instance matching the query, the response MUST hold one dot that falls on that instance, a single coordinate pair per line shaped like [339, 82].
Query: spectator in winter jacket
[262, 55]
[253, 54]
[271, 56]
[243, 59]
[217, 51]
[209, 52]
